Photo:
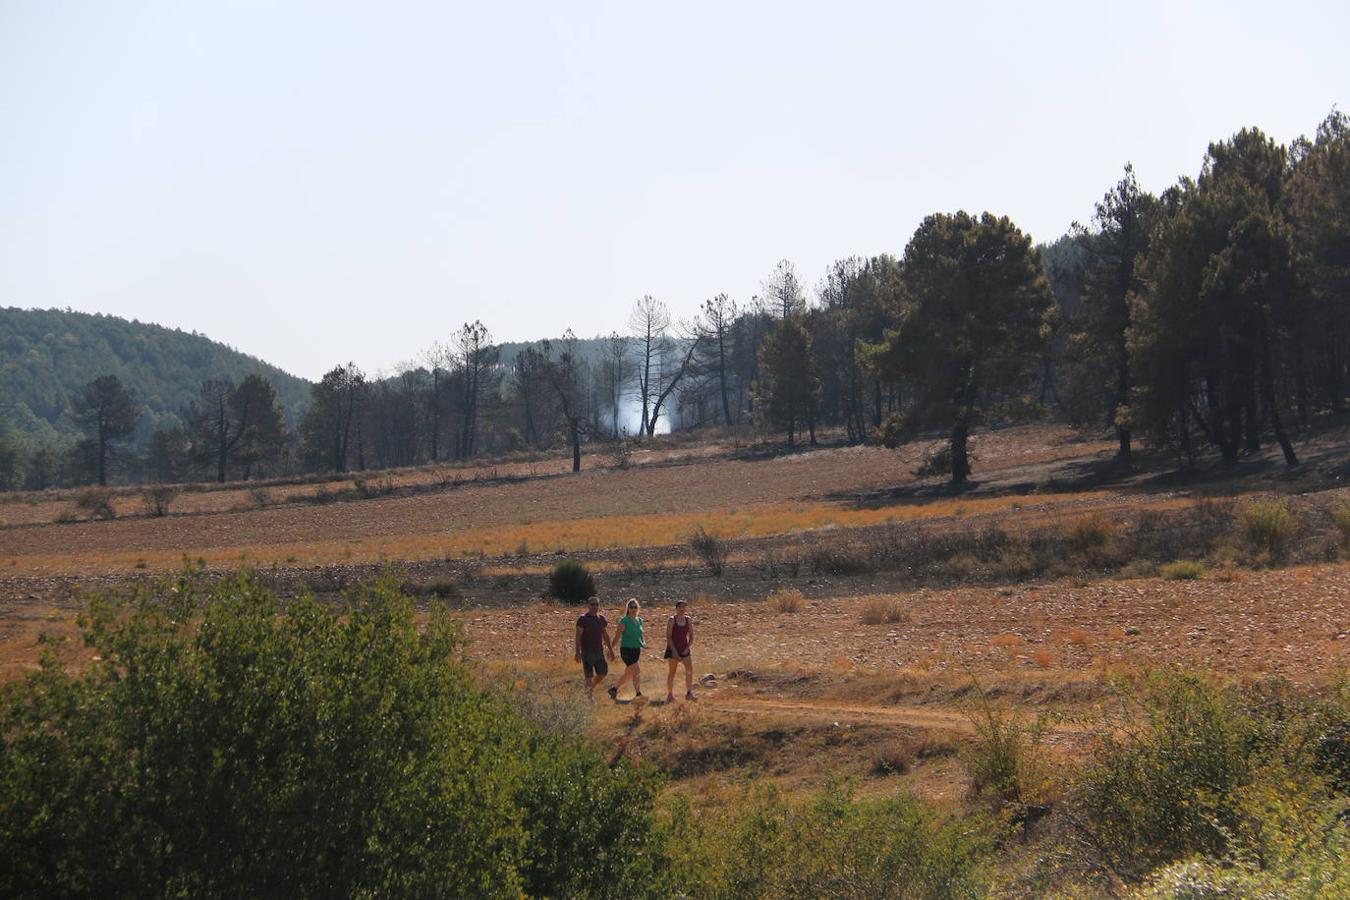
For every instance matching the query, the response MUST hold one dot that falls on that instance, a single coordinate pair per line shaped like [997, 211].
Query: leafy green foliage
[976, 311]
[47, 355]
[1098, 384]
[1268, 528]
[571, 582]
[222, 744]
[787, 390]
[829, 845]
[1224, 307]
[1183, 570]
[1205, 770]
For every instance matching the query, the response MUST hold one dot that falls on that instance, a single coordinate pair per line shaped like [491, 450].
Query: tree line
[1216, 314]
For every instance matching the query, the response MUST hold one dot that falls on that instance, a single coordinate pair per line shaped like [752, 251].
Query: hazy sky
[318, 182]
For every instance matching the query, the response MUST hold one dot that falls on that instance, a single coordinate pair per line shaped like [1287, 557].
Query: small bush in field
[711, 549]
[1340, 518]
[571, 582]
[839, 561]
[1183, 570]
[962, 566]
[96, 503]
[787, 601]
[879, 611]
[1004, 762]
[1091, 536]
[620, 452]
[157, 498]
[1268, 528]
[893, 758]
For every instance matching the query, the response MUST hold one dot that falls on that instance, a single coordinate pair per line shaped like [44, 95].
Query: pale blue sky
[318, 182]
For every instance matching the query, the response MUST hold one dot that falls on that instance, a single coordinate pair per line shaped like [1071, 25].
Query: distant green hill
[48, 354]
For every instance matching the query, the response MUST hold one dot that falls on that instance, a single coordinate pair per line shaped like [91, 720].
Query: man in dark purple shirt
[593, 643]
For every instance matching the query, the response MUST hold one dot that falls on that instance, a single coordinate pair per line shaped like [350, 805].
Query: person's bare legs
[630, 673]
[670, 680]
[637, 679]
[689, 678]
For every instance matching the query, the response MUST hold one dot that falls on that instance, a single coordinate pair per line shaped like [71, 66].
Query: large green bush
[1205, 770]
[765, 844]
[222, 744]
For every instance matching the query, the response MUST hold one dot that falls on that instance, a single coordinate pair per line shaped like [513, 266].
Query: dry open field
[996, 585]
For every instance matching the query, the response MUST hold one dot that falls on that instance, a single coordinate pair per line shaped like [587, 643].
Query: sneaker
[690, 696]
[614, 694]
[670, 698]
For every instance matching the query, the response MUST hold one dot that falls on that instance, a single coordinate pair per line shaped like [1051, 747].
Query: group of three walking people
[593, 644]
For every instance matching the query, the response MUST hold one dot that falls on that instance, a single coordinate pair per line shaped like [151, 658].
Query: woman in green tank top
[630, 648]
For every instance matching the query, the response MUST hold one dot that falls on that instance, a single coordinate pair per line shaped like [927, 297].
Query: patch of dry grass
[788, 600]
[881, 611]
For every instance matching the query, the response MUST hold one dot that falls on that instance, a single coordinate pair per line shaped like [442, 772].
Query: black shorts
[668, 655]
[630, 655]
[594, 663]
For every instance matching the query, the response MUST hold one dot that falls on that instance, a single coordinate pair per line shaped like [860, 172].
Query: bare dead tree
[648, 324]
[674, 364]
[616, 370]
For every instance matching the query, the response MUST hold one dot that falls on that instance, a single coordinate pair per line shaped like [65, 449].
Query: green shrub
[1304, 857]
[571, 582]
[224, 744]
[1201, 771]
[1268, 528]
[1183, 570]
[763, 844]
[1004, 761]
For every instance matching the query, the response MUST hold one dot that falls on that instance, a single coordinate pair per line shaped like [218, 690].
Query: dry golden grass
[499, 541]
[788, 600]
[881, 611]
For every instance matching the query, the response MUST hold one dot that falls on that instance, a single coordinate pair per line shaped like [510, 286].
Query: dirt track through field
[826, 710]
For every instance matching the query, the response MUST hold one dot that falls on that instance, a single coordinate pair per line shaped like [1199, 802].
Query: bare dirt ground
[485, 515]
[803, 695]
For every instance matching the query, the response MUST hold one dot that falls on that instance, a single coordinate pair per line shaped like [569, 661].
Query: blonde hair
[633, 601]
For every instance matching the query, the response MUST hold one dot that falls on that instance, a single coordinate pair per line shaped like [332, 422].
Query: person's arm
[670, 629]
[689, 646]
[618, 633]
[609, 642]
[642, 635]
[577, 644]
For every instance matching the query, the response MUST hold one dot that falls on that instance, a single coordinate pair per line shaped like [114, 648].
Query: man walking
[593, 644]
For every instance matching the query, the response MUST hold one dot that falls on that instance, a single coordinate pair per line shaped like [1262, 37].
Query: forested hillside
[46, 356]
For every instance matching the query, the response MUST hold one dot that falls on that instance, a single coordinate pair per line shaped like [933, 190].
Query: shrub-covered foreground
[1206, 790]
[217, 746]
[224, 743]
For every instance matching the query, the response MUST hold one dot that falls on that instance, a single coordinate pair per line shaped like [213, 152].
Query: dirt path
[830, 710]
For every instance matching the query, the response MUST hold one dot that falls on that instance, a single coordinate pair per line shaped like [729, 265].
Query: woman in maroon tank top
[680, 650]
